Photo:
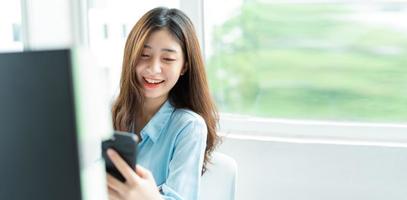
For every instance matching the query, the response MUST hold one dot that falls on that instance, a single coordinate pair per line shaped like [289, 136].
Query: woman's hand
[139, 185]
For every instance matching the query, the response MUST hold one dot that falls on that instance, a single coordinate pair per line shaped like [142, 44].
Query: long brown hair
[191, 91]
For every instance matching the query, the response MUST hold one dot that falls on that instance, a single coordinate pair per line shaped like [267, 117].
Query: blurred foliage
[313, 61]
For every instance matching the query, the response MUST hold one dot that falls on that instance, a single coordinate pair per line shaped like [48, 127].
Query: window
[321, 60]
[10, 26]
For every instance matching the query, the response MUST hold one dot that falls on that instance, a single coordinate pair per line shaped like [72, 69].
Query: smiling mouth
[151, 83]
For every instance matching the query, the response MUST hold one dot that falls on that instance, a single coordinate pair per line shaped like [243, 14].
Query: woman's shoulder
[188, 118]
[187, 115]
[189, 125]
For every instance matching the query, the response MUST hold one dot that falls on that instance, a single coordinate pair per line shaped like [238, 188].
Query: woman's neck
[150, 107]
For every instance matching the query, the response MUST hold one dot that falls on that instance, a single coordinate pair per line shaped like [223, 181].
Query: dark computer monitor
[54, 113]
[38, 140]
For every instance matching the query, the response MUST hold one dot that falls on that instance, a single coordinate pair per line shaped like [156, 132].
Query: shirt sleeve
[185, 167]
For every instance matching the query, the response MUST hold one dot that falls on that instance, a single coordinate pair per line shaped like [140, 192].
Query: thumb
[143, 172]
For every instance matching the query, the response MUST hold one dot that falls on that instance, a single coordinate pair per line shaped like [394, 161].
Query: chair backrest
[219, 181]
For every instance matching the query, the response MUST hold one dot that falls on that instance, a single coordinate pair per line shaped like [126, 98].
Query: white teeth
[152, 80]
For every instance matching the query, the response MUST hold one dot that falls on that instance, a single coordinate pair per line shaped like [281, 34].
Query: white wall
[291, 171]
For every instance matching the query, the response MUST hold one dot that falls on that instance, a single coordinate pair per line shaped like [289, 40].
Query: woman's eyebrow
[163, 49]
[169, 50]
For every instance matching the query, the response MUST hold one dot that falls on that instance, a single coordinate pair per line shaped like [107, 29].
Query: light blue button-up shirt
[172, 148]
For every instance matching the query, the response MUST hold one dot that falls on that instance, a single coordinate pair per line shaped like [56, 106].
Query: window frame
[313, 131]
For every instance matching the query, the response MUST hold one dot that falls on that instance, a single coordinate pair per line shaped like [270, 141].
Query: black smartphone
[125, 144]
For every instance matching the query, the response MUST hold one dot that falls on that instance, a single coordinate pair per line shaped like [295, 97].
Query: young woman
[164, 99]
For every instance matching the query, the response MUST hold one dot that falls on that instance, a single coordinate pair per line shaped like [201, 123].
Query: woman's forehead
[162, 40]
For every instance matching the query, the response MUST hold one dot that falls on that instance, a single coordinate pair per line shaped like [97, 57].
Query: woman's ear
[184, 68]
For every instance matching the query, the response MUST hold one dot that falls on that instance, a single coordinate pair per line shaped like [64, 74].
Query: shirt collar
[155, 126]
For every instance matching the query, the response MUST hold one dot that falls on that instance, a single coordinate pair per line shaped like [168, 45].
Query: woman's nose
[155, 66]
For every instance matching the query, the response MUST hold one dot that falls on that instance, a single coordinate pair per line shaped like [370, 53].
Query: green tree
[309, 60]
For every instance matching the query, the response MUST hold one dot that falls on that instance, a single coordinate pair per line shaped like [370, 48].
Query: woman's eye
[145, 55]
[169, 59]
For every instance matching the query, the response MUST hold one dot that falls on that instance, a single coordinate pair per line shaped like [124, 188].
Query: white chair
[219, 181]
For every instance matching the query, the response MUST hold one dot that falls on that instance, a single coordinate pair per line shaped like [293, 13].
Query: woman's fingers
[142, 172]
[122, 166]
[113, 195]
[115, 184]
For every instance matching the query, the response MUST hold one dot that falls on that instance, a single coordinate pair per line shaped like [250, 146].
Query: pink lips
[151, 85]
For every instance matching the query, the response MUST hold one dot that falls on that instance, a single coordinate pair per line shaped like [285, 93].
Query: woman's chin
[155, 95]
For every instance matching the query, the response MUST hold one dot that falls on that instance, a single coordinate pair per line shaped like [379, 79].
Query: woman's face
[160, 65]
